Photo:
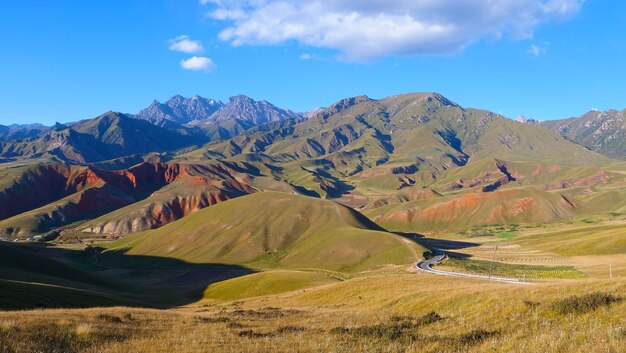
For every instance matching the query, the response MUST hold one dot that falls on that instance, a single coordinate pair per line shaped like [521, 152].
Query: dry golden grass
[386, 311]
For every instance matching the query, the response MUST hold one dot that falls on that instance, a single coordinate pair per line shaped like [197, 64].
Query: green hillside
[266, 283]
[274, 230]
[586, 240]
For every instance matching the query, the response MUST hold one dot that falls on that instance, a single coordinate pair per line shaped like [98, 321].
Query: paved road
[425, 265]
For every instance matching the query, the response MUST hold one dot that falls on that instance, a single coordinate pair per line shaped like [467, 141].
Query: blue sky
[73, 59]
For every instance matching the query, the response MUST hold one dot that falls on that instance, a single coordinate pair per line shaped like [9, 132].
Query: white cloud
[186, 45]
[369, 29]
[305, 56]
[198, 63]
[536, 50]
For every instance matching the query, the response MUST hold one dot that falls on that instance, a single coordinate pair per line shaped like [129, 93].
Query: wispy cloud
[185, 45]
[369, 29]
[198, 63]
[536, 50]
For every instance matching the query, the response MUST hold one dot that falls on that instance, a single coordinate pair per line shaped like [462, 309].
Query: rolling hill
[481, 208]
[272, 229]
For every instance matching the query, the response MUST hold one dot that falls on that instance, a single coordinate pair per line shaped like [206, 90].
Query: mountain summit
[215, 118]
[246, 109]
[180, 110]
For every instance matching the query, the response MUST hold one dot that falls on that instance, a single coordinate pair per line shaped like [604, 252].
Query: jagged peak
[527, 120]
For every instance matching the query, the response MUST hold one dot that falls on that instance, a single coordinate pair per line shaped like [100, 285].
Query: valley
[197, 225]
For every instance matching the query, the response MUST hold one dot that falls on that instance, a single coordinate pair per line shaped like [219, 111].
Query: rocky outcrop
[600, 131]
[489, 180]
[180, 110]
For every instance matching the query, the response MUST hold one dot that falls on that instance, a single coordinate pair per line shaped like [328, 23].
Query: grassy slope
[275, 230]
[265, 283]
[586, 240]
[364, 314]
[31, 280]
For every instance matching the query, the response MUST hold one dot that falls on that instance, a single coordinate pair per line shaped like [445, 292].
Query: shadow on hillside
[446, 245]
[442, 244]
[411, 236]
[53, 277]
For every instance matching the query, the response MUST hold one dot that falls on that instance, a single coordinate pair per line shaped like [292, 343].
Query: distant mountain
[180, 110]
[108, 136]
[524, 119]
[410, 153]
[21, 131]
[246, 109]
[411, 132]
[313, 112]
[602, 132]
[35, 126]
[216, 119]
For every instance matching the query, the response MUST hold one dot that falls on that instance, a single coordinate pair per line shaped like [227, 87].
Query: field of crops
[482, 267]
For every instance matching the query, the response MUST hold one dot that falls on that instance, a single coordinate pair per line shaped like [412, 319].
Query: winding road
[425, 265]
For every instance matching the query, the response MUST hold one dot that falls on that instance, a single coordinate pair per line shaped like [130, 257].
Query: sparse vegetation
[398, 328]
[474, 337]
[585, 303]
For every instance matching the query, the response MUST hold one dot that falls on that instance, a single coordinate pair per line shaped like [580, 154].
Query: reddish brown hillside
[500, 207]
[58, 194]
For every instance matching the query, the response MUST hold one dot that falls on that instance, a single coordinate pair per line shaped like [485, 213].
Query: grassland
[600, 239]
[383, 312]
[382, 308]
[266, 283]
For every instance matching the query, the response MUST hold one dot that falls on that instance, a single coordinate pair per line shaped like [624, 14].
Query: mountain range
[416, 161]
[600, 131]
[214, 118]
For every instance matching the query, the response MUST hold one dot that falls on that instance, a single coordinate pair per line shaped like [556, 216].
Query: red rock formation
[601, 177]
[94, 192]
